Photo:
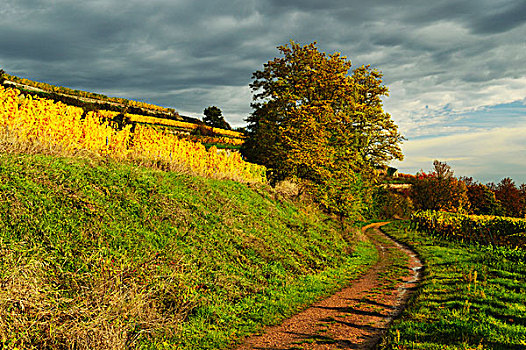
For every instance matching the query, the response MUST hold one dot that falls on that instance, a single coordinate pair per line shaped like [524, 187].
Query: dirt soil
[358, 315]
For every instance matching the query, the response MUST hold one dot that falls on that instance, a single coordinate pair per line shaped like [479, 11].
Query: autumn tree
[482, 199]
[315, 121]
[522, 191]
[379, 139]
[214, 118]
[510, 197]
[439, 190]
[442, 170]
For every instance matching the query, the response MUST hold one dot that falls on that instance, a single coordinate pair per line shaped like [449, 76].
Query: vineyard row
[38, 123]
[169, 122]
[84, 94]
[484, 229]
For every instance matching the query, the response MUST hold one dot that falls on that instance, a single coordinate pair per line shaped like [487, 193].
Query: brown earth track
[356, 316]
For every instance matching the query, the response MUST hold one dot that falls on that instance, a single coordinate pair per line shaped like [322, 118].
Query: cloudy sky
[456, 69]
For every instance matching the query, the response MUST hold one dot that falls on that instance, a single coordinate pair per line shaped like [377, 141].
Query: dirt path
[355, 317]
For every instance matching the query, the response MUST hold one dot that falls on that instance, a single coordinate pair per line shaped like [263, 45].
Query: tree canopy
[511, 197]
[440, 190]
[481, 198]
[214, 118]
[316, 120]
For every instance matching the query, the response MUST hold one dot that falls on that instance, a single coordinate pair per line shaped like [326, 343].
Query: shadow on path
[356, 316]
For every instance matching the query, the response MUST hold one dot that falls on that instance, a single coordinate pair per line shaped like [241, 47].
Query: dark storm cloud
[24, 44]
[191, 54]
[504, 19]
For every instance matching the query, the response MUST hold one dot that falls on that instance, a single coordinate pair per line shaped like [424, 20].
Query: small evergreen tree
[214, 118]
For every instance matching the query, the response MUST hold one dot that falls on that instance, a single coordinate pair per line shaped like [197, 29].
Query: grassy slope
[99, 255]
[471, 297]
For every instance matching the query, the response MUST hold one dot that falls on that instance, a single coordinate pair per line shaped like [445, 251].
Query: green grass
[472, 297]
[103, 255]
[222, 146]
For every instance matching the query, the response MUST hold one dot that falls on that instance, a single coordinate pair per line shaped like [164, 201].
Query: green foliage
[314, 121]
[390, 204]
[344, 193]
[113, 256]
[471, 297]
[214, 118]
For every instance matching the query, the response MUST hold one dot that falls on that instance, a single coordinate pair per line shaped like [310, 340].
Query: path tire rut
[358, 315]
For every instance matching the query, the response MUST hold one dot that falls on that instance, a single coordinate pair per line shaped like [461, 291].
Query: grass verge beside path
[98, 255]
[470, 298]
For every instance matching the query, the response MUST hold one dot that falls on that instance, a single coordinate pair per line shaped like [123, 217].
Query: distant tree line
[441, 190]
